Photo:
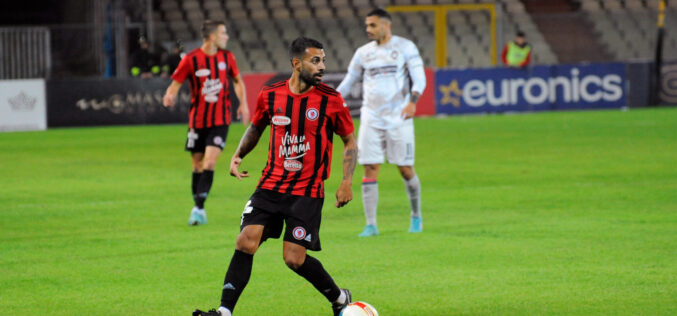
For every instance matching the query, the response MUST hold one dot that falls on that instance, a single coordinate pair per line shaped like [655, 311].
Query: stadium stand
[262, 29]
[628, 28]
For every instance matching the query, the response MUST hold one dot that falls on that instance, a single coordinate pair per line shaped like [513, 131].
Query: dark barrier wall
[93, 102]
[112, 102]
[668, 83]
[639, 84]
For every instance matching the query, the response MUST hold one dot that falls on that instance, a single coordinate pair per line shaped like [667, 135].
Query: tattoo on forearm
[249, 140]
[414, 97]
[349, 162]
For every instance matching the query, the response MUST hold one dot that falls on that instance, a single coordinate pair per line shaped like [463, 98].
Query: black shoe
[211, 312]
[339, 307]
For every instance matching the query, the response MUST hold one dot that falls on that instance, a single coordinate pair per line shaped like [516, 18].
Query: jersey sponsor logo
[203, 73]
[383, 70]
[281, 120]
[299, 233]
[222, 66]
[312, 114]
[211, 89]
[293, 146]
[293, 165]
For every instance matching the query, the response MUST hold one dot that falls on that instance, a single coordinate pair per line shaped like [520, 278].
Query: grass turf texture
[570, 213]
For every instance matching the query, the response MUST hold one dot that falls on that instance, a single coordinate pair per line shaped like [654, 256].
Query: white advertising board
[22, 105]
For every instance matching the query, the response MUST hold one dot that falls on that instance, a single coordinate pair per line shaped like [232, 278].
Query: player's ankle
[224, 311]
[341, 298]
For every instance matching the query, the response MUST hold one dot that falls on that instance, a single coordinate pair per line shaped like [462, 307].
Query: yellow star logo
[451, 94]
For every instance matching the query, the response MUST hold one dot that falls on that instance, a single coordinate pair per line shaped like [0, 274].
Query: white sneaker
[197, 217]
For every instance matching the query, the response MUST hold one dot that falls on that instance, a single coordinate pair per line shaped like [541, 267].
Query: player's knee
[209, 165]
[197, 166]
[246, 244]
[407, 172]
[293, 261]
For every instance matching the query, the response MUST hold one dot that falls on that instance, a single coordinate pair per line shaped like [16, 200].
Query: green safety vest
[517, 55]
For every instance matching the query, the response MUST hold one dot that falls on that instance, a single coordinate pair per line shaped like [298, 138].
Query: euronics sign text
[532, 89]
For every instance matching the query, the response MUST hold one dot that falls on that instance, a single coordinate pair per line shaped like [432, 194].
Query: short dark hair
[297, 49]
[520, 34]
[209, 26]
[383, 14]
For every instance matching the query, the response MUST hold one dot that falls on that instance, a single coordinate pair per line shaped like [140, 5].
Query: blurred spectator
[517, 53]
[172, 60]
[144, 63]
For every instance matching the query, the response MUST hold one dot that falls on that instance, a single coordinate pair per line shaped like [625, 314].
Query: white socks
[342, 298]
[413, 188]
[370, 199]
[224, 311]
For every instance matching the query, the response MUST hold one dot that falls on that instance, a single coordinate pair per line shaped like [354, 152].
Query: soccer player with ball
[303, 114]
[393, 79]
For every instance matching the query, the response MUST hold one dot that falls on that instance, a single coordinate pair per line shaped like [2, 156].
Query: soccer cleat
[416, 225]
[369, 230]
[197, 217]
[211, 312]
[338, 307]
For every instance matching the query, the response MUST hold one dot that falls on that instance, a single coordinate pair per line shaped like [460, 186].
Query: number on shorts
[247, 209]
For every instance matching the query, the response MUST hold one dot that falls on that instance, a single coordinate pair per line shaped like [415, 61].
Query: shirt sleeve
[233, 71]
[182, 71]
[343, 122]
[353, 74]
[415, 67]
[261, 116]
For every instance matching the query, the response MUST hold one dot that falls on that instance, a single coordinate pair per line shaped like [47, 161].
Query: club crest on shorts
[222, 66]
[312, 114]
[299, 233]
[218, 140]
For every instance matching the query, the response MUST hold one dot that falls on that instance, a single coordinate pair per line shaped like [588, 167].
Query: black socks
[237, 277]
[203, 187]
[193, 184]
[313, 271]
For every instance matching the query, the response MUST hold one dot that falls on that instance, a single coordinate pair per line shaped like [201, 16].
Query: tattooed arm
[345, 191]
[247, 143]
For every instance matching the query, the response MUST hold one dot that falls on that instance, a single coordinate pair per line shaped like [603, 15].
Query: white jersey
[390, 72]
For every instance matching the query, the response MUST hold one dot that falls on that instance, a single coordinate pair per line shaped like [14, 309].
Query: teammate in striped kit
[303, 115]
[208, 68]
[393, 79]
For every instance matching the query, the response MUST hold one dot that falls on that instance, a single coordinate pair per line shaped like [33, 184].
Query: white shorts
[374, 144]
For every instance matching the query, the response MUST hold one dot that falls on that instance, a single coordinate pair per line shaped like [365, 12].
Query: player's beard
[310, 78]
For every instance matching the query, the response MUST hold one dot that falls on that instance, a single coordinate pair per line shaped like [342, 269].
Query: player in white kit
[393, 80]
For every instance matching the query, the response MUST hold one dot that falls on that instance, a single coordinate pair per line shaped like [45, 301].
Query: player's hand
[234, 165]
[408, 111]
[243, 113]
[344, 194]
[168, 100]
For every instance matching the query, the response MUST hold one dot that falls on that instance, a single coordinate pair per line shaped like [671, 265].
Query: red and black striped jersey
[208, 75]
[302, 128]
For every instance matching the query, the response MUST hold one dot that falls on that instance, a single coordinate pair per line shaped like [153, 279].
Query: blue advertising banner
[538, 88]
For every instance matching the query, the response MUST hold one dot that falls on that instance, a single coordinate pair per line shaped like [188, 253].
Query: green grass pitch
[568, 213]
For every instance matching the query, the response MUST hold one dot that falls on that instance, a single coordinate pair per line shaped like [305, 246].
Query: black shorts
[199, 138]
[302, 216]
